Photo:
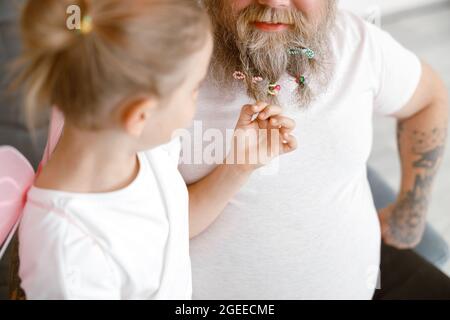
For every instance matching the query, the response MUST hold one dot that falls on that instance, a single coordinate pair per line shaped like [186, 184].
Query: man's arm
[421, 135]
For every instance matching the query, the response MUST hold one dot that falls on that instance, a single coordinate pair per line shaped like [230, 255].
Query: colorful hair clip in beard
[239, 75]
[256, 80]
[274, 89]
[309, 53]
[301, 80]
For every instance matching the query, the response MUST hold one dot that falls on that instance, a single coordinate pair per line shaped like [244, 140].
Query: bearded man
[311, 230]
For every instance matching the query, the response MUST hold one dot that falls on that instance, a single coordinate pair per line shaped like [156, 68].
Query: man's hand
[403, 223]
[261, 135]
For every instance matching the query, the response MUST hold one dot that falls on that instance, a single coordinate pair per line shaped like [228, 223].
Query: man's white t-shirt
[309, 229]
[128, 244]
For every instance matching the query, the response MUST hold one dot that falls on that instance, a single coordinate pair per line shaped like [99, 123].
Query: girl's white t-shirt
[128, 244]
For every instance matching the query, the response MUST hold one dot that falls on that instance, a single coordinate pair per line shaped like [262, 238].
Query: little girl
[107, 216]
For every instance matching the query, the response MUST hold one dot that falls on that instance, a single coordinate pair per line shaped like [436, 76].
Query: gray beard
[266, 56]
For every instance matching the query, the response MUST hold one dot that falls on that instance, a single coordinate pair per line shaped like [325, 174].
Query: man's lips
[271, 27]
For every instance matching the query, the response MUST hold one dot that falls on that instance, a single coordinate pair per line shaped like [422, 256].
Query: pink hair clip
[257, 79]
[238, 75]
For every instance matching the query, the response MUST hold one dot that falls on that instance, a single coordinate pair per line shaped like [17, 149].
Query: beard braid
[241, 47]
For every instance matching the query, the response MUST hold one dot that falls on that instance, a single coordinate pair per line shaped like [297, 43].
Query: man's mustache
[259, 13]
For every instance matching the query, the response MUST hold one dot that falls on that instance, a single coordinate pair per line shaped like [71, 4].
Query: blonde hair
[131, 48]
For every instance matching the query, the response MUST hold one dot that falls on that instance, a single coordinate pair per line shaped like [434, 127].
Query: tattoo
[407, 221]
[429, 148]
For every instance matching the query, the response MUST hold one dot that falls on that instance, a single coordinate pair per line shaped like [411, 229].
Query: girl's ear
[135, 115]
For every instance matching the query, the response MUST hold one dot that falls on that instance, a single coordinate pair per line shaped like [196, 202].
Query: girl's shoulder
[47, 221]
[59, 256]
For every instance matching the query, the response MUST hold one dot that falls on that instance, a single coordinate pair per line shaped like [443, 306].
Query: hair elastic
[86, 25]
[274, 89]
[301, 80]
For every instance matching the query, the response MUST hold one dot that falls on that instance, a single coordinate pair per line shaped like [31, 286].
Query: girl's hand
[261, 135]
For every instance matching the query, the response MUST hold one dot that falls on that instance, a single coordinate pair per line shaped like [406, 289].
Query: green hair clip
[309, 53]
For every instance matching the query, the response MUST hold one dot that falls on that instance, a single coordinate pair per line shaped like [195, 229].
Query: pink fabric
[16, 178]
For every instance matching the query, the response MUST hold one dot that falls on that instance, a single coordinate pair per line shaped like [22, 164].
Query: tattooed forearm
[407, 221]
[429, 147]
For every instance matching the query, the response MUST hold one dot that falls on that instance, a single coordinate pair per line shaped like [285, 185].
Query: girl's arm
[209, 196]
